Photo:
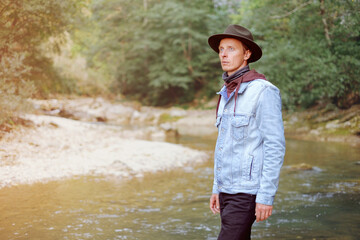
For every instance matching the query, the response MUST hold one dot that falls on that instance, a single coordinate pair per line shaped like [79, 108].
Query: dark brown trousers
[237, 213]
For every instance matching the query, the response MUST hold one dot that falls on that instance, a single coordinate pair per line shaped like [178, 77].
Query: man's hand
[262, 211]
[214, 203]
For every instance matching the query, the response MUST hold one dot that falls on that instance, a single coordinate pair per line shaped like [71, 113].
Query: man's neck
[229, 78]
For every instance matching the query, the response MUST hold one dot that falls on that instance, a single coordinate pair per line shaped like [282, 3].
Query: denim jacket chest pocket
[239, 127]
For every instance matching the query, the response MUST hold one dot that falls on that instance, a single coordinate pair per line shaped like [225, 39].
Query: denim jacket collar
[242, 88]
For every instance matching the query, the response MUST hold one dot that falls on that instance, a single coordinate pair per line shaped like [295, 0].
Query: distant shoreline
[58, 148]
[324, 125]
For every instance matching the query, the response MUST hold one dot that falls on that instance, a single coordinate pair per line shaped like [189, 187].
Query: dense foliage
[24, 26]
[156, 50]
[311, 48]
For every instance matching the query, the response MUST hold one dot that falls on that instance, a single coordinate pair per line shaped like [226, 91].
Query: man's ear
[247, 55]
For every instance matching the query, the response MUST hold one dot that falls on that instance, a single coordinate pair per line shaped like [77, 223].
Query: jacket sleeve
[270, 125]
[215, 187]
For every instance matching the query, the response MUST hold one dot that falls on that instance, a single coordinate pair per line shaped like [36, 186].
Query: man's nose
[223, 53]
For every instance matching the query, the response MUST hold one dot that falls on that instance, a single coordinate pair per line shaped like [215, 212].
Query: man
[250, 146]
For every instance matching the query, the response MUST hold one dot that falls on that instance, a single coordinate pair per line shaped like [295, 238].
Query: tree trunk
[326, 27]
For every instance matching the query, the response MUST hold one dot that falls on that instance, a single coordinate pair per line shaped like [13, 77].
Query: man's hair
[244, 46]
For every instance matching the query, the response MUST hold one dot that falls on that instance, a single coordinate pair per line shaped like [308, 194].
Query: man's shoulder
[262, 84]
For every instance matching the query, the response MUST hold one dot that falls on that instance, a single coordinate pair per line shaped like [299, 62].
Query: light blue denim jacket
[250, 147]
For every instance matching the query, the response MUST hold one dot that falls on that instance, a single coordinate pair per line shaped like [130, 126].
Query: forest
[156, 52]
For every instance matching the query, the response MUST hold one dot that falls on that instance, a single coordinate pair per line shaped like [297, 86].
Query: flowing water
[322, 203]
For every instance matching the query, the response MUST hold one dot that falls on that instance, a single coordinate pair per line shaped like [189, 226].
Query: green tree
[156, 50]
[24, 26]
[311, 48]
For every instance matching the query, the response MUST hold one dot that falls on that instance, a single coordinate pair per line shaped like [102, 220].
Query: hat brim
[256, 52]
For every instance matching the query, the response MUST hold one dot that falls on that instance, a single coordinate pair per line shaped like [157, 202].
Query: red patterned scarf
[235, 85]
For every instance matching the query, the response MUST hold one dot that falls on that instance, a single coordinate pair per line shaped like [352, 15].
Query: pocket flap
[241, 120]
[218, 120]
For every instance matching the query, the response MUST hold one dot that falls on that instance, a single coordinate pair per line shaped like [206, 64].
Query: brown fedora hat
[240, 33]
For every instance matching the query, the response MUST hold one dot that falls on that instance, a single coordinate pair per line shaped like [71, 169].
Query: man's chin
[226, 69]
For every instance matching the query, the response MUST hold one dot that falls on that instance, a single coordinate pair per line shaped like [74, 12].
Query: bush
[15, 87]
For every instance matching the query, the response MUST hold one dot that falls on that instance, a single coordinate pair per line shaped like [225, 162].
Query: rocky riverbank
[69, 137]
[319, 123]
[327, 124]
[138, 121]
[80, 136]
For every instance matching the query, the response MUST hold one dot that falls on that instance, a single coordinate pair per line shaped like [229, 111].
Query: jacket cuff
[215, 189]
[264, 199]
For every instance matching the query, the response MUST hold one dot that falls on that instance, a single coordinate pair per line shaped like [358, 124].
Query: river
[322, 203]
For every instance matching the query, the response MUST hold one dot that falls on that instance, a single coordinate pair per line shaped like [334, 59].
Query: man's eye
[231, 49]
